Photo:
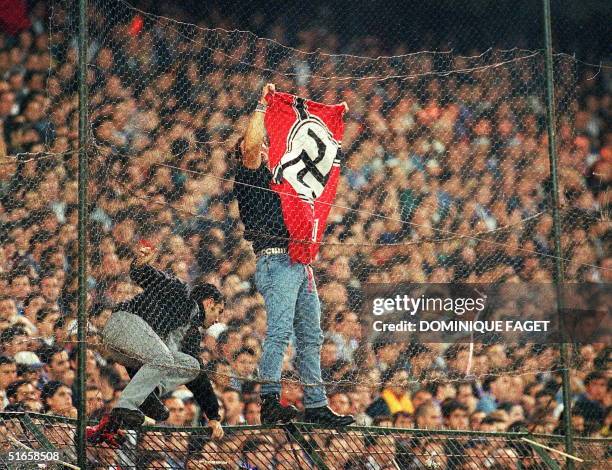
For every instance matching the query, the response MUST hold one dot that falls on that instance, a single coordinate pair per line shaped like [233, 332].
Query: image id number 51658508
[33, 456]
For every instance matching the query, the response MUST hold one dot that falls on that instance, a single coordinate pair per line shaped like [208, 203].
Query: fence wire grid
[299, 447]
[445, 179]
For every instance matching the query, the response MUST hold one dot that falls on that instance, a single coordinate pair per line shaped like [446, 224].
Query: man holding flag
[284, 192]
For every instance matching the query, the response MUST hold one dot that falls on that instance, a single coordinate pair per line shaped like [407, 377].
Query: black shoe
[128, 419]
[272, 412]
[324, 416]
[154, 408]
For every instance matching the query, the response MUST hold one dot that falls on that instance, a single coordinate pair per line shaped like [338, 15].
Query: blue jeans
[292, 304]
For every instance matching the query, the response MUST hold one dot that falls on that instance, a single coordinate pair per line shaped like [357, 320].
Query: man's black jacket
[164, 304]
[200, 387]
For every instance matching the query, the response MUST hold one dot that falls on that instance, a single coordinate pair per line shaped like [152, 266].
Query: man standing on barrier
[283, 276]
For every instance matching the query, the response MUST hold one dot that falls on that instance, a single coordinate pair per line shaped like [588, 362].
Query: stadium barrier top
[302, 446]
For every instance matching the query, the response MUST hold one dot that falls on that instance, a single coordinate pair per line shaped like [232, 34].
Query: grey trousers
[132, 342]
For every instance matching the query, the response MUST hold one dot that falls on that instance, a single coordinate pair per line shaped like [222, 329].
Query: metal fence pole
[82, 237]
[559, 276]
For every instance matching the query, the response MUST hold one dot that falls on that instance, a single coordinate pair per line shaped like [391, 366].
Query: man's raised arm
[141, 272]
[256, 132]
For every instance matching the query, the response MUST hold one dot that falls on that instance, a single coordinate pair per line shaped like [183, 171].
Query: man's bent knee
[188, 366]
[162, 359]
[193, 370]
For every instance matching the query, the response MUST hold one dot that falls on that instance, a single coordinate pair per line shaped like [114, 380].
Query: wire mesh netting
[301, 446]
[444, 179]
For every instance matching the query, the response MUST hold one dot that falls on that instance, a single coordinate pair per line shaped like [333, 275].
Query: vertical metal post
[559, 277]
[82, 237]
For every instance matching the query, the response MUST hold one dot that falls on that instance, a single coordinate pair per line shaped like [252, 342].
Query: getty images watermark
[456, 306]
[517, 312]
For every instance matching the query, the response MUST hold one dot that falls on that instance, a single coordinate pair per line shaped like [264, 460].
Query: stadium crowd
[444, 179]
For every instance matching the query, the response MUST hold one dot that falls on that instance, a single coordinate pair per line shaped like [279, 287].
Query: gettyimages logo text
[415, 305]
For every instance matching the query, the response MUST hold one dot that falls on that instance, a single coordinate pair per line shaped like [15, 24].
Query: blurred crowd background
[445, 179]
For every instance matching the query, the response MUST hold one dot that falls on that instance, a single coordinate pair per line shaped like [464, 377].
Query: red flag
[304, 158]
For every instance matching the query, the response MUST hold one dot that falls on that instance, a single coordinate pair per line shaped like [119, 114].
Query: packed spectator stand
[427, 161]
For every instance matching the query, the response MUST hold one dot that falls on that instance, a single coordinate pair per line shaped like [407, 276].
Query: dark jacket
[164, 304]
[201, 387]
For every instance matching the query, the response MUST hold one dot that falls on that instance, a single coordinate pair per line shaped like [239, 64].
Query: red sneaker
[105, 432]
[113, 441]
